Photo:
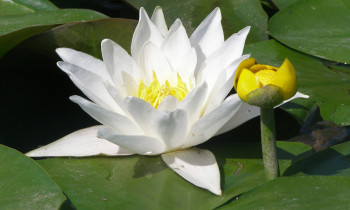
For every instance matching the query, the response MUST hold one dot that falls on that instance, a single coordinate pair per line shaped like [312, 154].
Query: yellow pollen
[155, 92]
[265, 77]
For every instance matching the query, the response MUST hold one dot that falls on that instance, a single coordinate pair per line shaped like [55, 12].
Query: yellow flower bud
[268, 82]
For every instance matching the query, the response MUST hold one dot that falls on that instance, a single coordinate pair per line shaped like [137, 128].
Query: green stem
[268, 142]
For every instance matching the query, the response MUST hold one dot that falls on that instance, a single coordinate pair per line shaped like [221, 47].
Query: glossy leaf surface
[310, 192]
[315, 27]
[116, 182]
[25, 184]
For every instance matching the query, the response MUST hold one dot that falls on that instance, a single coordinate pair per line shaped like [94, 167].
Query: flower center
[265, 74]
[265, 77]
[155, 92]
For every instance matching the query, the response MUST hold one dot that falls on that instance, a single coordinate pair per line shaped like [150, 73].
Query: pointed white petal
[297, 95]
[187, 66]
[176, 44]
[159, 20]
[197, 166]
[117, 96]
[143, 114]
[153, 59]
[129, 83]
[118, 60]
[84, 61]
[79, 143]
[208, 36]
[169, 103]
[244, 113]
[193, 102]
[222, 86]
[207, 126]
[172, 127]
[230, 51]
[91, 85]
[247, 112]
[119, 122]
[169, 127]
[145, 31]
[143, 145]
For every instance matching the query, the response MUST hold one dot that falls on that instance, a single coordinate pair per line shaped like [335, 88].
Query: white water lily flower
[165, 98]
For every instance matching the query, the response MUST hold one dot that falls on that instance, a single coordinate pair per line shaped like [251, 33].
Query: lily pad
[19, 7]
[333, 161]
[328, 89]
[236, 14]
[116, 182]
[25, 184]
[16, 28]
[310, 192]
[70, 35]
[283, 3]
[315, 27]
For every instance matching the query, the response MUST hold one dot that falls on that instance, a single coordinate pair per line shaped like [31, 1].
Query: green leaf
[11, 8]
[117, 182]
[70, 35]
[283, 3]
[327, 88]
[16, 28]
[315, 27]
[236, 14]
[333, 161]
[20, 7]
[310, 192]
[289, 152]
[24, 184]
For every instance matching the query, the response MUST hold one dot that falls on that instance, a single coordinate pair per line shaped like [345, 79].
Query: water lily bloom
[264, 85]
[164, 99]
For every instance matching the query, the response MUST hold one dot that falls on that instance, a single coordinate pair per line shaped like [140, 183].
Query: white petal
[143, 114]
[247, 112]
[80, 143]
[172, 127]
[223, 85]
[176, 44]
[197, 166]
[244, 113]
[297, 95]
[129, 83]
[187, 66]
[169, 103]
[118, 122]
[230, 51]
[145, 31]
[116, 95]
[84, 61]
[159, 20]
[118, 60]
[91, 84]
[208, 36]
[207, 126]
[193, 102]
[143, 145]
[153, 59]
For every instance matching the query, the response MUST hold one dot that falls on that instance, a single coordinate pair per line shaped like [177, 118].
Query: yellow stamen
[155, 92]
